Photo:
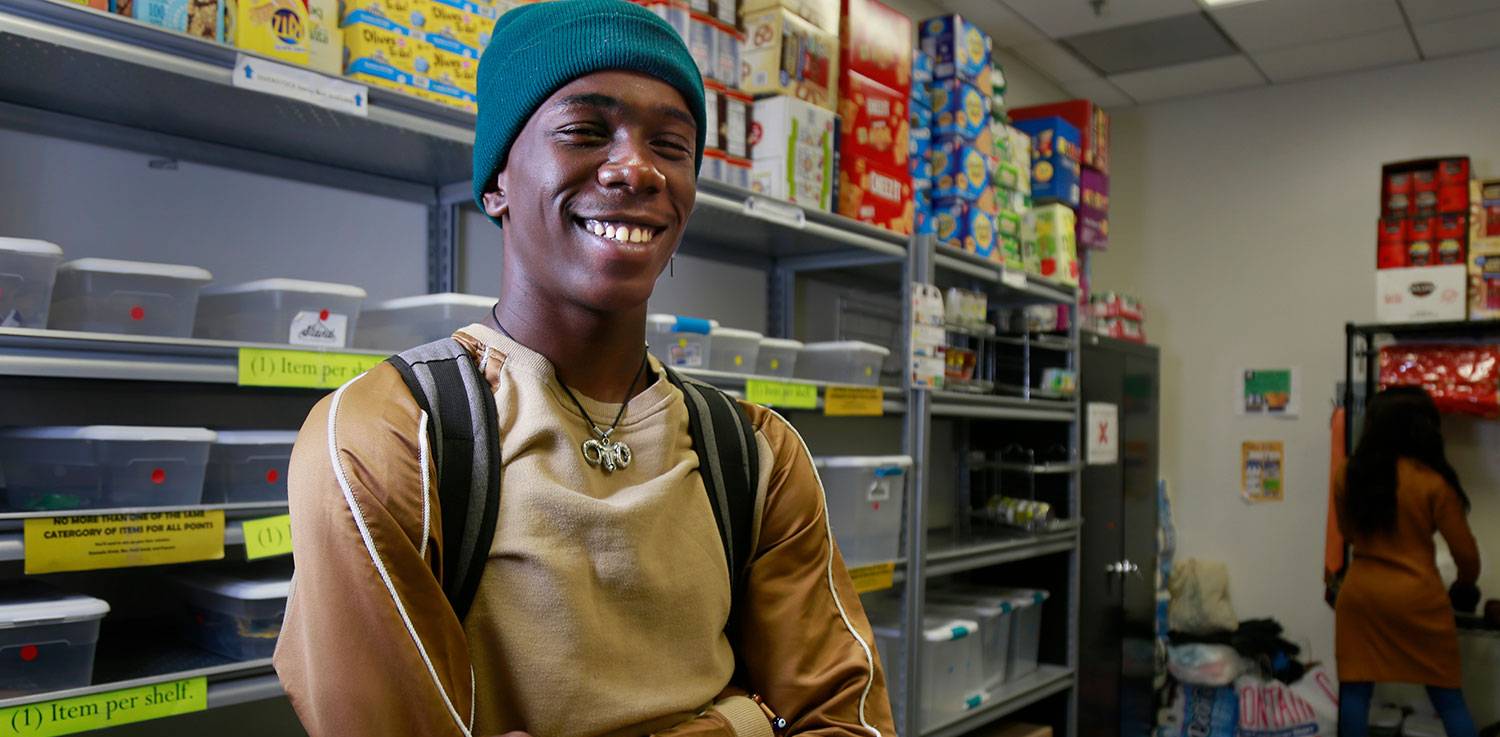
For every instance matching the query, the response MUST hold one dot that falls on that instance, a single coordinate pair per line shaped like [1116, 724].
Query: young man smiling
[603, 608]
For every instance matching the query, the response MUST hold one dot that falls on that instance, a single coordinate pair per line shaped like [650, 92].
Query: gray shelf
[1043, 342]
[759, 229]
[734, 385]
[1007, 287]
[1010, 698]
[236, 683]
[1040, 469]
[993, 407]
[947, 555]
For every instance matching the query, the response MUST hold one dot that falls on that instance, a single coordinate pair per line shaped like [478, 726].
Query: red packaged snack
[1453, 198]
[873, 121]
[1453, 172]
[1424, 189]
[1419, 235]
[1392, 244]
[1460, 378]
[1450, 239]
[875, 193]
[1397, 194]
[877, 44]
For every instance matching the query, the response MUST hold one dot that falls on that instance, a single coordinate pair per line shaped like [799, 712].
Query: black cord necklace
[600, 450]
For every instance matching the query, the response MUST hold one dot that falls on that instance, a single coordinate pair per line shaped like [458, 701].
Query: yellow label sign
[269, 536]
[876, 577]
[854, 401]
[301, 369]
[104, 710]
[92, 542]
[782, 394]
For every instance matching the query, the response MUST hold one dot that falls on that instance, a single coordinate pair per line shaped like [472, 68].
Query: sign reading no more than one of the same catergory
[103, 710]
[99, 541]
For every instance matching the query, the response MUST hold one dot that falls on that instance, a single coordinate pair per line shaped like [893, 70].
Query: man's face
[597, 189]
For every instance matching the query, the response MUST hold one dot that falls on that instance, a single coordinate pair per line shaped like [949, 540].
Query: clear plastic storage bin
[237, 616]
[248, 466]
[292, 311]
[28, 269]
[842, 362]
[777, 357]
[47, 638]
[103, 466]
[734, 350]
[1025, 631]
[949, 671]
[679, 341]
[994, 614]
[398, 324]
[101, 295]
[866, 495]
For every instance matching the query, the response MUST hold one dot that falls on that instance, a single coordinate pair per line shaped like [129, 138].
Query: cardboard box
[1031, 258]
[1054, 160]
[378, 51]
[201, 18]
[727, 54]
[1392, 250]
[1090, 120]
[1484, 279]
[703, 44]
[922, 208]
[1426, 187]
[791, 143]
[961, 169]
[325, 40]
[1056, 244]
[824, 14]
[876, 44]
[403, 13]
[1451, 239]
[959, 50]
[727, 12]
[961, 224]
[873, 121]
[1093, 210]
[922, 67]
[456, 21]
[786, 55]
[734, 123]
[101, 5]
[446, 73]
[1420, 249]
[1010, 252]
[1421, 294]
[920, 154]
[713, 107]
[737, 171]
[1012, 201]
[874, 192]
[273, 28]
[1484, 213]
[960, 108]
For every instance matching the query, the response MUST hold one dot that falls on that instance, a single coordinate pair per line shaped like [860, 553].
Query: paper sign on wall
[1262, 471]
[99, 541]
[1102, 431]
[1268, 392]
[876, 577]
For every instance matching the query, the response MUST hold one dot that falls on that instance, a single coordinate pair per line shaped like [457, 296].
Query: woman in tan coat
[1394, 622]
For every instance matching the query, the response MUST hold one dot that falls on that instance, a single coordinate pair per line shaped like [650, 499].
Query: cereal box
[874, 192]
[792, 145]
[874, 121]
[325, 40]
[1056, 247]
[959, 50]
[960, 109]
[274, 28]
[920, 153]
[921, 68]
[1484, 279]
[378, 51]
[961, 169]
[960, 224]
[202, 18]
[824, 14]
[921, 196]
[786, 55]
[1054, 160]
[877, 44]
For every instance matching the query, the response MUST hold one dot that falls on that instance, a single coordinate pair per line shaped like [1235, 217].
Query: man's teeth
[620, 232]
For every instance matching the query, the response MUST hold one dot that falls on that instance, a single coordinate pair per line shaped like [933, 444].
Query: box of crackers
[873, 191]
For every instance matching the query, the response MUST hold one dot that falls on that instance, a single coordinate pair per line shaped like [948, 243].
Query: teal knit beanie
[537, 49]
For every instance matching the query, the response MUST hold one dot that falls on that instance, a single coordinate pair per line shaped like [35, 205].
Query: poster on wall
[1268, 392]
[1262, 471]
[1103, 429]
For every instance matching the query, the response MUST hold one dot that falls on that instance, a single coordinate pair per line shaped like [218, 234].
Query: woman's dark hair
[1401, 422]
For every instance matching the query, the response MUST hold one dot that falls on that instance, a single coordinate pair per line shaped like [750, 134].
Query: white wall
[1247, 223]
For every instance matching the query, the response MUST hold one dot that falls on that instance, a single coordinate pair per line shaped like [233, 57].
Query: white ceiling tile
[1427, 11]
[1059, 18]
[1101, 91]
[1055, 61]
[1382, 48]
[1274, 24]
[1199, 77]
[1459, 35]
[1003, 24]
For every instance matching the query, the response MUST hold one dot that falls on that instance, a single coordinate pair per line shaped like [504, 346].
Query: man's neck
[595, 354]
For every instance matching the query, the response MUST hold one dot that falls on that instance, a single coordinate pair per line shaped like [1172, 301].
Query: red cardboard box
[876, 193]
[1419, 246]
[1090, 120]
[1485, 215]
[873, 121]
[1424, 189]
[876, 42]
[1450, 239]
[1392, 253]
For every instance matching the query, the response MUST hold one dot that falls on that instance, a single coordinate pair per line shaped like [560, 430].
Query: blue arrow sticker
[249, 73]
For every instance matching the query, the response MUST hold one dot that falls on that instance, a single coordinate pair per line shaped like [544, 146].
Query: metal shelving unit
[107, 80]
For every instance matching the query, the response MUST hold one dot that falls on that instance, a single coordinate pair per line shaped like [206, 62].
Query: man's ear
[495, 204]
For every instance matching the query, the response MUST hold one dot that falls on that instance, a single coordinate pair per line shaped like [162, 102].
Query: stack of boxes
[426, 48]
[791, 60]
[710, 28]
[1423, 242]
[1013, 189]
[919, 158]
[874, 183]
[303, 32]
[962, 156]
[1484, 250]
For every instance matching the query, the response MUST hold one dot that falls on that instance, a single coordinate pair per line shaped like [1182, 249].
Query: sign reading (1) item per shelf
[268, 537]
[854, 401]
[301, 369]
[96, 541]
[876, 577]
[789, 395]
[104, 710]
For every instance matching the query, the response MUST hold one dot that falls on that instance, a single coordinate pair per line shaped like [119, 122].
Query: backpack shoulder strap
[464, 434]
[728, 461]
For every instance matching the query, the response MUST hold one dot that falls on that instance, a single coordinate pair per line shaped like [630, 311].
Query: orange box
[876, 193]
[876, 42]
[873, 121]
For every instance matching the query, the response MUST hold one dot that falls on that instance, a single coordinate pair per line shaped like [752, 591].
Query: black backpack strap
[729, 462]
[464, 435]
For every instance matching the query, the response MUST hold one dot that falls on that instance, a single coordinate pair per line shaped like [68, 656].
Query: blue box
[919, 153]
[960, 109]
[958, 48]
[921, 108]
[961, 169]
[921, 68]
[962, 224]
[1055, 151]
[922, 207]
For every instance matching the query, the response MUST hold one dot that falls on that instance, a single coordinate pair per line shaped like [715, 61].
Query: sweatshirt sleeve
[1448, 511]
[369, 645]
[804, 642]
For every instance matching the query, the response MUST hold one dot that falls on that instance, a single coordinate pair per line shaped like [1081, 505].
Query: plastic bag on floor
[1200, 598]
[1204, 665]
[1307, 708]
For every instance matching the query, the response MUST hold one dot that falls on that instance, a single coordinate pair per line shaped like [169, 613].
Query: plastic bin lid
[137, 268]
[245, 589]
[846, 346]
[32, 604]
[31, 246]
[787, 343]
[987, 606]
[116, 432]
[682, 323]
[861, 461]
[256, 437]
[288, 285]
[941, 629]
[430, 300]
[1385, 717]
[1023, 598]
[718, 332]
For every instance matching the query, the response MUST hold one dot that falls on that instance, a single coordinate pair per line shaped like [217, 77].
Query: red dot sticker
[159, 476]
[29, 653]
[272, 476]
[323, 315]
[138, 313]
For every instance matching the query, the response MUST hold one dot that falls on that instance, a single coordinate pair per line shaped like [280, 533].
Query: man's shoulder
[369, 415]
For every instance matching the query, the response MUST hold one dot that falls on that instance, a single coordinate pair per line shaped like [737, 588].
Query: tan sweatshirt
[601, 612]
